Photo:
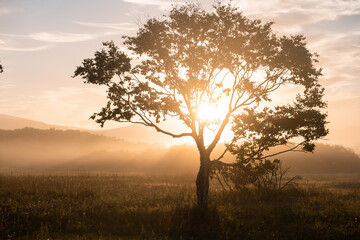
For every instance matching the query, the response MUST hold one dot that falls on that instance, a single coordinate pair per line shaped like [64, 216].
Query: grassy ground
[162, 207]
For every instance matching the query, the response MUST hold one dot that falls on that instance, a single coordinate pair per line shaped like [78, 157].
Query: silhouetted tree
[1, 68]
[191, 57]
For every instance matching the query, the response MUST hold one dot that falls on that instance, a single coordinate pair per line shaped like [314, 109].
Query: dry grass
[162, 207]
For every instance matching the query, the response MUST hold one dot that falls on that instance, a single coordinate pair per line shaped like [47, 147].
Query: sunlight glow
[211, 112]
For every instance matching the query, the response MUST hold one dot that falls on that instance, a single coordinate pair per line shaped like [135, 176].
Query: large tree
[190, 59]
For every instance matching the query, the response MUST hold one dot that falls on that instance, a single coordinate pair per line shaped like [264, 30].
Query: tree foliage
[175, 64]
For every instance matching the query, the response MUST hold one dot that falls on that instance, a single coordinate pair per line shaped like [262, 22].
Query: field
[129, 206]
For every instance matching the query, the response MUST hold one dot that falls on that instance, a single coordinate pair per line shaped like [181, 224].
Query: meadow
[142, 206]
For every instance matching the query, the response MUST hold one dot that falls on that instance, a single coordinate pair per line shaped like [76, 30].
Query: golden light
[211, 112]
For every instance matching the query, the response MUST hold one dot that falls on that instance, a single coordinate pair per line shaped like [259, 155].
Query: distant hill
[73, 150]
[8, 122]
[326, 159]
[143, 134]
[137, 133]
[39, 148]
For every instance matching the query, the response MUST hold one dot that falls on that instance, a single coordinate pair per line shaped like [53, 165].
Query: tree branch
[222, 163]
[219, 132]
[148, 122]
[288, 150]
[221, 156]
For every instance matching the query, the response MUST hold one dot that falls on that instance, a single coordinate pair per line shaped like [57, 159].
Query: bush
[264, 176]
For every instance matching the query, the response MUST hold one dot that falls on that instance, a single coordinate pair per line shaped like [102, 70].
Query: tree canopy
[190, 57]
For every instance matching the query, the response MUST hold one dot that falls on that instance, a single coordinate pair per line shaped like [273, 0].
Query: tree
[192, 58]
[1, 68]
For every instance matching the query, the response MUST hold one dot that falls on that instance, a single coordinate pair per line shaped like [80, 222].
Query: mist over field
[73, 150]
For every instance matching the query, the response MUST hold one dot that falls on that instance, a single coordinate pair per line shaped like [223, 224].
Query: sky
[42, 42]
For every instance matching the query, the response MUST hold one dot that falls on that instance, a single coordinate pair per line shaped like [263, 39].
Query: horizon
[88, 152]
[160, 139]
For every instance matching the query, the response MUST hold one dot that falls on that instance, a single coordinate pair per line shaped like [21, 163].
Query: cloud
[60, 37]
[321, 10]
[149, 2]
[115, 26]
[4, 46]
[163, 5]
[339, 58]
[289, 16]
[19, 49]
[339, 53]
[54, 37]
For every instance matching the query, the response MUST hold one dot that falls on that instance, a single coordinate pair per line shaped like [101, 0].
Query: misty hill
[52, 149]
[74, 150]
[326, 159]
[8, 122]
[52, 134]
[34, 148]
[135, 133]
[131, 133]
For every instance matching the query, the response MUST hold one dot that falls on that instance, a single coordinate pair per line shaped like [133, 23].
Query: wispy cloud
[296, 16]
[150, 2]
[115, 26]
[322, 10]
[5, 46]
[21, 49]
[55, 37]
[60, 37]
[339, 52]
[163, 5]
[332, 31]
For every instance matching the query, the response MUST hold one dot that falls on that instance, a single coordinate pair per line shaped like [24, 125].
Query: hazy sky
[42, 42]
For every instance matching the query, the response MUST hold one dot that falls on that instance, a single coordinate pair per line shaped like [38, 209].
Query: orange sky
[41, 43]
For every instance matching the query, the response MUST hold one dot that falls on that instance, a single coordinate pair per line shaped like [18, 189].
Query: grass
[162, 207]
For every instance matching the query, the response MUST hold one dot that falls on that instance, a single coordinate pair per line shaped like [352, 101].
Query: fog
[59, 150]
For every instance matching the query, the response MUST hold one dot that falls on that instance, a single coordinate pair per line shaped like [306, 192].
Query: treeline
[74, 150]
[327, 159]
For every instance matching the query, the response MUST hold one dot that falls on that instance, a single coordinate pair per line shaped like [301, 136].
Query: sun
[210, 112]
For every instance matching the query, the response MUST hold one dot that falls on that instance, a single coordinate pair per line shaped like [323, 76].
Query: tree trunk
[202, 182]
